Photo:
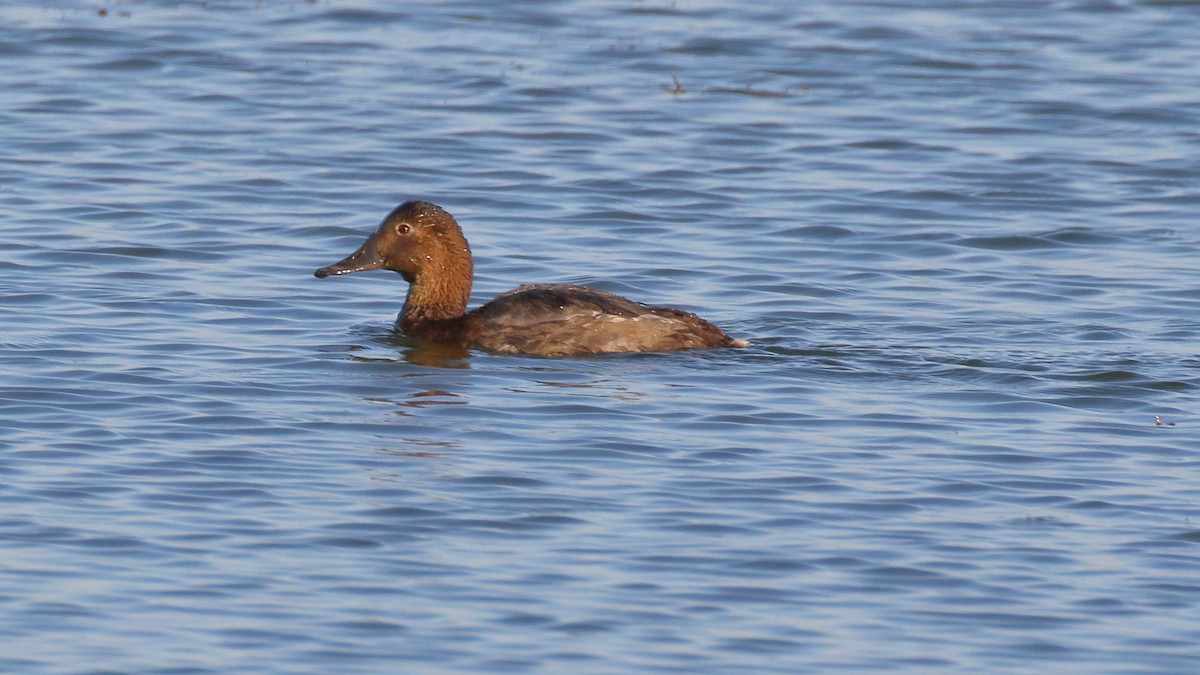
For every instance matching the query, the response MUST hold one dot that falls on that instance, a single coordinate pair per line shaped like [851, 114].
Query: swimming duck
[425, 245]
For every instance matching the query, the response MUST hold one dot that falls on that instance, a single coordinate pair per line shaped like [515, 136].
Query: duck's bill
[365, 258]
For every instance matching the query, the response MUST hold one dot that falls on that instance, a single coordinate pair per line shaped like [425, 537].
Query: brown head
[424, 244]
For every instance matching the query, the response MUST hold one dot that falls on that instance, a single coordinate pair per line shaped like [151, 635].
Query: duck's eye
[402, 228]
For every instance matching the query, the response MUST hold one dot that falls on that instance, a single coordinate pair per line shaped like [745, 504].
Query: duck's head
[417, 239]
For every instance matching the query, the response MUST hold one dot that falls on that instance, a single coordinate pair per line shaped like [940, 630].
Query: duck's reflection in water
[411, 350]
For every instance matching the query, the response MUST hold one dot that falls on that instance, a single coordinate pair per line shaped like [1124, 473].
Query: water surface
[961, 237]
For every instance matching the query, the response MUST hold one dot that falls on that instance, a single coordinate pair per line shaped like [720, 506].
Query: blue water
[962, 238]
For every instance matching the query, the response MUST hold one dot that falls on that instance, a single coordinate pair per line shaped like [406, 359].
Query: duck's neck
[436, 302]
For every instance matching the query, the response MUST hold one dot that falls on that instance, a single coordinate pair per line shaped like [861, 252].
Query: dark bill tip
[339, 269]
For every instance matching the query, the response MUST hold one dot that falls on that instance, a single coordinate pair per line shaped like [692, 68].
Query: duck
[425, 245]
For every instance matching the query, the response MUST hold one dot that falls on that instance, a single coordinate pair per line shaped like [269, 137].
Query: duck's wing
[561, 320]
[539, 303]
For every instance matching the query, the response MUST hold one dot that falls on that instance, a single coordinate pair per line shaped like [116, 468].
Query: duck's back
[560, 320]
